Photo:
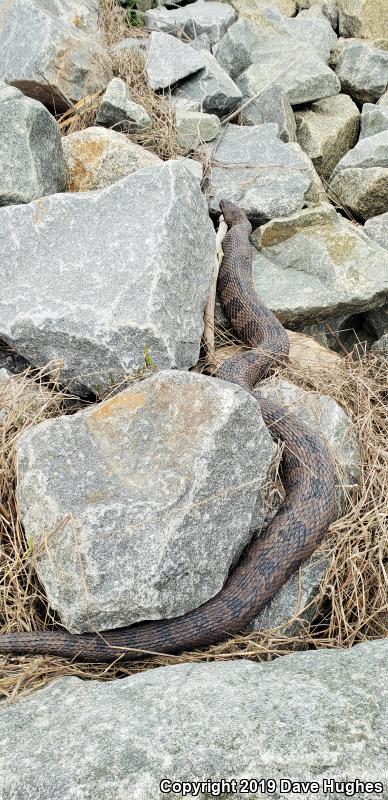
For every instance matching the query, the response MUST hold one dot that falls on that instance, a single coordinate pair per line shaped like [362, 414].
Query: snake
[295, 531]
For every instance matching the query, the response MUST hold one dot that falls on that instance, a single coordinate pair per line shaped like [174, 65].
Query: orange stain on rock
[120, 404]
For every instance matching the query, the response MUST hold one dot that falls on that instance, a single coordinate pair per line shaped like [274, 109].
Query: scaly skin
[290, 538]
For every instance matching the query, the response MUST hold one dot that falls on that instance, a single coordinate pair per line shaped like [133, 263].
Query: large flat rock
[309, 716]
[146, 500]
[103, 274]
[46, 57]
[253, 168]
[316, 265]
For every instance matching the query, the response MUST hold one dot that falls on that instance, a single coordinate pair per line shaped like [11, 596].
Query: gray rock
[110, 275]
[377, 320]
[326, 7]
[169, 60]
[362, 18]
[362, 69]
[370, 152]
[301, 73]
[119, 110]
[47, 58]
[272, 105]
[377, 229]
[83, 14]
[257, 171]
[192, 20]
[383, 100]
[381, 346]
[316, 193]
[306, 716]
[374, 119]
[201, 43]
[241, 45]
[327, 131]
[31, 157]
[193, 128]
[195, 167]
[316, 30]
[315, 264]
[212, 87]
[96, 157]
[360, 179]
[155, 484]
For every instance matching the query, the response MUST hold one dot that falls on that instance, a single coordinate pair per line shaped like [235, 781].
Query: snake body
[291, 536]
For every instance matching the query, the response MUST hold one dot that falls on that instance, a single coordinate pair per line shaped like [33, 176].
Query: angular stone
[212, 87]
[193, 20]
[242, 43]
[254, 169]
[362, 18]
[287, 7]
[315, 264]
[31, 157]
[169, 60]
[381, 346]
[83, 14]
[301, 73]
[327, 131]
[193, 128]
[47, 58]
[201, 43]
[326, 7]
[305, 27]
[110, 275]
[316, 193]
[254, 10]
[272, 105]
[157, 485]
[119, 110]
[383, 100]
[195, 167]
[96, 157]
[374, 119]
[360, 179]
[311, 716]
[377, 229]
[378, 321]
[362, 69]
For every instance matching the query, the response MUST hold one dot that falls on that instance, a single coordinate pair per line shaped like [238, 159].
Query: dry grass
[160, 138]
[353, 599]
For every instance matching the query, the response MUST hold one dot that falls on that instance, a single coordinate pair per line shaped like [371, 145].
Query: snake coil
[291, 536]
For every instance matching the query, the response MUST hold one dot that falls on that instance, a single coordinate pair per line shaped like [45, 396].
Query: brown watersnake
[291, 536]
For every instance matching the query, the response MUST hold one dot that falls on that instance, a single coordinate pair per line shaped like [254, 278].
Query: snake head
[233, 215]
